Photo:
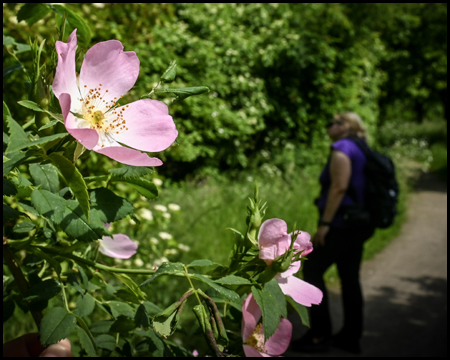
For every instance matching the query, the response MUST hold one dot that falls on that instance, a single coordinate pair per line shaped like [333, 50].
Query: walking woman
[343, 184]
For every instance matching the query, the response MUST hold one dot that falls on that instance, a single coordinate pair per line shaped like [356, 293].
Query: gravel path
[405, 286]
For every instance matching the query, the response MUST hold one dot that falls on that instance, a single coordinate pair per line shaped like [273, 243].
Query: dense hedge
[277, 72]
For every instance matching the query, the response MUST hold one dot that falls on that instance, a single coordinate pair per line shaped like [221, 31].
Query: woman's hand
[319, 237]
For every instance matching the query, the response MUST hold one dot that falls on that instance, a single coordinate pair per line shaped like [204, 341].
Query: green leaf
[57, 324]
[10, 69]
[274, 289]
[229, 294]
[23, 227]
[134, 288]
[75, 223]
[101, 327]
[74, 180]
[16, 160]
[8, 188]
[184, 93]
[32, 12]
[301, 310]
[166, 321]
[166, 268]
[86, 342]
[10, 214]
[170, 73]
[119, 308]
[46, 176]
[83, 30]
[8, 40]
[232, 280]
[109, 206]
[145, 187]
[123, 324]
[51, 260]
[269, 309]
[142, 318]
[48, 205]
[30, 105]
[44, 290]
[85, 305]
[18, 139]
[105, 341]
[152, 309]
[204, 263]
[49, 125]
[129, 172]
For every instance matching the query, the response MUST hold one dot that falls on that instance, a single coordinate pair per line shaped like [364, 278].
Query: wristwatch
[327, 223]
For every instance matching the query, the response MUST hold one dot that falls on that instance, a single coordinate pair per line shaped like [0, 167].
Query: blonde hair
[355, 124]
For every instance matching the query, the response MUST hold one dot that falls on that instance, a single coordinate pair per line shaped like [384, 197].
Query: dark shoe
[308, 343]
[345, 343]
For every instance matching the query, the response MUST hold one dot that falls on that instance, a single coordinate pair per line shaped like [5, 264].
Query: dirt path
[405, 286]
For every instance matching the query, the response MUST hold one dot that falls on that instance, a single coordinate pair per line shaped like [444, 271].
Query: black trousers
[343, 247]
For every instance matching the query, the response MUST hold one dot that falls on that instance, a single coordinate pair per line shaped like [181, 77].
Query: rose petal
[278, 343]
[273, 232]
[303, 242]
[268, 254]
[299, 290]
[250, 351]
[105, 63]
[119, 246]
[87, 137]
[294, 268]
[65, 81]
[251, 313]
[129, 156]
[150, 127]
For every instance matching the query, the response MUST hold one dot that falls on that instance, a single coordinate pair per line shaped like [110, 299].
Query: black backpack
[382, 189]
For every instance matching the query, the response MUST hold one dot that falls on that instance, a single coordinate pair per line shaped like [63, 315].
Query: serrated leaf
[30, 105]
[46, 176]
[48, 204]
[18, 139]
[101, 327]
[134, 288]
[8, 188]
[170, 73]
[301, 310]
[44, 290]
[85, 305]
[166, 268]
[84, 32]
[51, 260]
[145, 187]
[23, 227]
[16, 159]
[152, 309]
[86, 342]
[232, 280]
[119, 308]
[184, 93]
[122, 325]
[204, 263]
[270, 312]
[32, 12]
[129, 172]
[10, 214]
[142, 318]
[74, 180]
[109, 206]
[29, 208]
[106, 341]
[229, 294]
[274, 289]
[166, 321]
[75, 223]
[57, 324]
[49, 125]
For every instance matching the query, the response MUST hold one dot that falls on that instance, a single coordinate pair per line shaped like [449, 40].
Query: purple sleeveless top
[357, 185]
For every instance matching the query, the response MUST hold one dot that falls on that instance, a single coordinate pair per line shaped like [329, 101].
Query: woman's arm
[340, 172]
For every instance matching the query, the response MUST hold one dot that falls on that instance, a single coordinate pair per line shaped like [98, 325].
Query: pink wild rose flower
[119, 246]
[90, 106]
[274, 241]
[253, 332]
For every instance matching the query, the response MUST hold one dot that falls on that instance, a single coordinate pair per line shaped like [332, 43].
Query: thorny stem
[20, 279]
